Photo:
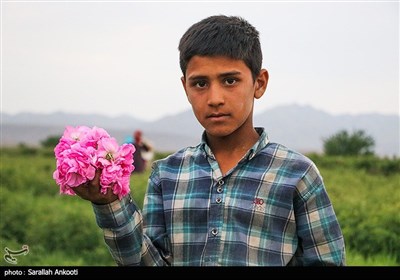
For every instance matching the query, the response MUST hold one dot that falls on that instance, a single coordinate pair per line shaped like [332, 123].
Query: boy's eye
[200, 84]
[230, 81]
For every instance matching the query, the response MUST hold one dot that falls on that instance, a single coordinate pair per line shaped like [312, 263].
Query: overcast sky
[121, 57]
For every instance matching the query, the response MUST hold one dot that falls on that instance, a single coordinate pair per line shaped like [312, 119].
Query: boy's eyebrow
[227, 74]
[222, 75]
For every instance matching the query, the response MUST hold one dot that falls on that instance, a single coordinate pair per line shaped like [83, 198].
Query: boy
[235, 199]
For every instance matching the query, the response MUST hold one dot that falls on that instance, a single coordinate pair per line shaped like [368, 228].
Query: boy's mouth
[217, 116]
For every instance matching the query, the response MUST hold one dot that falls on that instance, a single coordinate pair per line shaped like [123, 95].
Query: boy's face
[221, 91]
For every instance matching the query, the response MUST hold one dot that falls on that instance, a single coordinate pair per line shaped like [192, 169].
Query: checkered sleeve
[317, 225]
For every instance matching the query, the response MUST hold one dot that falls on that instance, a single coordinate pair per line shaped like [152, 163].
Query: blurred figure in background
[143, 153]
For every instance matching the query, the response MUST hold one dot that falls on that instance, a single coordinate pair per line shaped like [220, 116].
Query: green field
[60, 230]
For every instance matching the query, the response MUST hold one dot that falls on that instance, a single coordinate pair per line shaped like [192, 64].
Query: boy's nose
[215, 96]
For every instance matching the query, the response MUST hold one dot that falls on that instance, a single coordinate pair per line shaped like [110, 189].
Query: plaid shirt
[271, 209]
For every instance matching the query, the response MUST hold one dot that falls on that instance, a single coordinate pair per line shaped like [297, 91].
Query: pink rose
[81, 150]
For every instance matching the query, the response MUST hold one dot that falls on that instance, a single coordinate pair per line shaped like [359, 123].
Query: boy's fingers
[84, 191]
[96, 180]
[91, 191]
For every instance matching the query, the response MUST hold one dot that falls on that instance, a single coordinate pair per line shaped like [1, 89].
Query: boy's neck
[229, 150]
[242, 139]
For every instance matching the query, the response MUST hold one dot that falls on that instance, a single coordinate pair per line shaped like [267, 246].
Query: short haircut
[221, 35]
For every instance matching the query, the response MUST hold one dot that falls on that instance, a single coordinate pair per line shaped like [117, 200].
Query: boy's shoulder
[273, 150]
[186, 152]
[281, 152]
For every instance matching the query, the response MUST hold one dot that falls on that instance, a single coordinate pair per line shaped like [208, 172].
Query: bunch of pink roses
[81, 150]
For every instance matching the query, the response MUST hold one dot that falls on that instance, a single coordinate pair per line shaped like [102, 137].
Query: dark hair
[221, 35]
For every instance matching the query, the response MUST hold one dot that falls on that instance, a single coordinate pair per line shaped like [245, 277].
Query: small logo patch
[258, 204]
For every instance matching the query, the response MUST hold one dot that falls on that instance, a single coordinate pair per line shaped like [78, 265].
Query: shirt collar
[257, 147]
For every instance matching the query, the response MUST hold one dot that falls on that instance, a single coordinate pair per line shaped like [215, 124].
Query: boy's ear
[261, 83]
[184, 87]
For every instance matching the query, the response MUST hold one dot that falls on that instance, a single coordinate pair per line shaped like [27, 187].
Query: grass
[61, 230]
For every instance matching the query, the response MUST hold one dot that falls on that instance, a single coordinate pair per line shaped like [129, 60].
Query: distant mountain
[305, 128]
[302, 128]
[167, 134]
[64, 119]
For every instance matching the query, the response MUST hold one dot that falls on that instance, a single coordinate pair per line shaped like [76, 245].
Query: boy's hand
[91, 191]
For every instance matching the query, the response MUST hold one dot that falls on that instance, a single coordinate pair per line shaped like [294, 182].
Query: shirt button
[221, 182]
[218, 200]
[214, 231]
[219, 190]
